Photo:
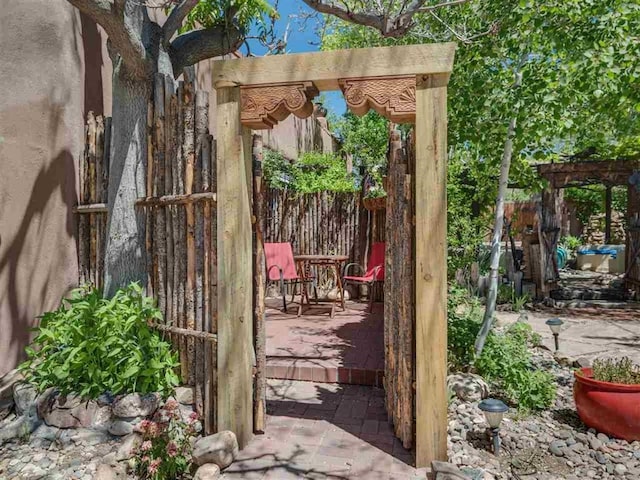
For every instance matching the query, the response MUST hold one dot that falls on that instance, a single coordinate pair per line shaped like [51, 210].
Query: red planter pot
[611, 408]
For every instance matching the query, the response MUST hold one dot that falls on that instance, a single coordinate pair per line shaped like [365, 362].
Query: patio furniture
[374, 273]
[331, 261]
[281, 267]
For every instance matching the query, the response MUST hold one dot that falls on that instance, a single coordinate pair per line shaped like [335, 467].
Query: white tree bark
[498, 225]
[125, 255]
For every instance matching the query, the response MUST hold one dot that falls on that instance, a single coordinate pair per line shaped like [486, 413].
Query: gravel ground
[55, 455]
[550, 445]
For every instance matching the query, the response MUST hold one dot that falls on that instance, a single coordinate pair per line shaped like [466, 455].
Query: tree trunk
[492, 294]
[125, 256]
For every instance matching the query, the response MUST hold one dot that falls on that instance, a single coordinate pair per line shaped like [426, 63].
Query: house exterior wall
[51, 74]
[294, 136]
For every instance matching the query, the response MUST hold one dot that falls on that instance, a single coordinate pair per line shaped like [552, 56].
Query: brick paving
[324, 431]
[348, 348]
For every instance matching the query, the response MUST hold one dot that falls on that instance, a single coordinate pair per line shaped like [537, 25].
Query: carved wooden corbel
[263, 106]
[392, 97]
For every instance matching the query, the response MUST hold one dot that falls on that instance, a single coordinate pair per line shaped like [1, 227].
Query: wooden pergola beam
[570, 174]
[324, 69]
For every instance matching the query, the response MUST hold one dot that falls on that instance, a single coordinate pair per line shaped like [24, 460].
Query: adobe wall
[45, 49]
[294, 136]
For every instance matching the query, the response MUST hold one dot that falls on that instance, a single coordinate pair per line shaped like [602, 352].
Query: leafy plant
[165, 451]
[571, 243]
[612, 370]
[519, 302]
[91, 345]
[313, 172]
[505, 360]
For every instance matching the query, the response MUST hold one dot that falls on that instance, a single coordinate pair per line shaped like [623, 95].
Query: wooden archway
[406, 84]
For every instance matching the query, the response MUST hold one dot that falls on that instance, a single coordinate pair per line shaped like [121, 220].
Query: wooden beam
[187, 332]
[607, 214]
[91, 208]
[431, 269]
[235, 282]
[325, 68]
[176, 199]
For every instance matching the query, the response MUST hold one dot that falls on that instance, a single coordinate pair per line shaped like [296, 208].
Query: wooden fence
[322, 223]
[180, 228]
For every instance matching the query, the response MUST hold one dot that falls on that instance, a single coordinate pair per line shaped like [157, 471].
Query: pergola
[610, 173]
[406, 84]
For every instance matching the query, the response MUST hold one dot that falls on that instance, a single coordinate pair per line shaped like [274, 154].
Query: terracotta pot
[611, 408]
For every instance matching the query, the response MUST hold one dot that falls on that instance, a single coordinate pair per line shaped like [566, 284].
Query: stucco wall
[294, 136]
[43, 101]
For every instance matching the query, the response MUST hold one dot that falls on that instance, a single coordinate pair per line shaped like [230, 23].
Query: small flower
[152, 429]
[143, 426]
[172, 449]
[146, 459]
[146, 446]
[153, 466]
[171, 405]
[193, 416]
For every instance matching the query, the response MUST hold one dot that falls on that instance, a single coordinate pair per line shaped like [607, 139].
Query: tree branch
[195, 46]
[176, 17]
[124, 39]
[388, 25]
[330, 8]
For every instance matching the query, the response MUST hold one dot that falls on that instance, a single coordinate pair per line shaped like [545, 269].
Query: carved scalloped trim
[263, 106]
[394, 97]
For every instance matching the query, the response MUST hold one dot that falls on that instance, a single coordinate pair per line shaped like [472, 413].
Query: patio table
[330, 261]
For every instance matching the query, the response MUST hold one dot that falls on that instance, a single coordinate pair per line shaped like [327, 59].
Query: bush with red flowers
[165, 451]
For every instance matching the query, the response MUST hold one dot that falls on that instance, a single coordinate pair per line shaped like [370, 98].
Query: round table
[331, 261]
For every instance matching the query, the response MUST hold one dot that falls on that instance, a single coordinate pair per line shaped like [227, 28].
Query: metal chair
[373, 274]
[281, 267]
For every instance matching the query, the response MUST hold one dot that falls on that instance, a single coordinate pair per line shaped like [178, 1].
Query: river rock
[220, 448]
[556, 447]
[135, 405]
[446, 471]
[24, 397]
[125, 451]
[68, 411]
[105, 472]
[208, 471]
[468, 387]
[184, 395]
[120, 428]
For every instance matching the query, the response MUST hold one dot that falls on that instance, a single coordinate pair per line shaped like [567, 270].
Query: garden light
[555, 324]
[494, 410]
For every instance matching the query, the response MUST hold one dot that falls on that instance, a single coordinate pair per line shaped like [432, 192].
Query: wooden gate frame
[404, 83]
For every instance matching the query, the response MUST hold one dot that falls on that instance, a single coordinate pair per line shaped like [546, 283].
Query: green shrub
[312, 172]
[613, 370]
[505, 360]
[91, 345]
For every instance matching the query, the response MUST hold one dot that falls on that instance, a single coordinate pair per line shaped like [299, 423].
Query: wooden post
[549, 235]
[260, 381]
[235, 282]
[431, 268]
[607, 215]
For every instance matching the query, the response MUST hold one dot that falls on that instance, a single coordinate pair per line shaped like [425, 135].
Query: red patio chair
[281, 267]
[373, 274]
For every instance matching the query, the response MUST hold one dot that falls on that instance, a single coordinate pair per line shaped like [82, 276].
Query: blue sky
[302, 38]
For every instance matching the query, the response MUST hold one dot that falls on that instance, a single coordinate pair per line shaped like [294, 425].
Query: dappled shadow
[55, 179]
[569, 417]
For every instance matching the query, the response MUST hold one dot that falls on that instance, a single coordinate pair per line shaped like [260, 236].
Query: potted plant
[607, 397]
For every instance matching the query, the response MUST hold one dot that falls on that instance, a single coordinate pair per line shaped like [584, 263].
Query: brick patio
[324, 431]
[348, 348]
